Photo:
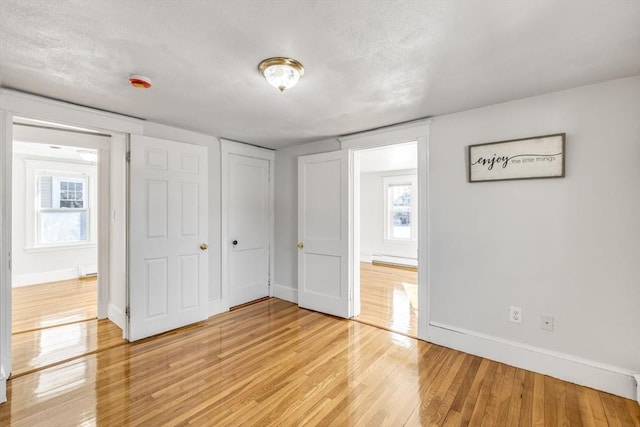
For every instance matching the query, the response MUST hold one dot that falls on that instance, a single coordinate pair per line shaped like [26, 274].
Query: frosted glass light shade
[281, 73]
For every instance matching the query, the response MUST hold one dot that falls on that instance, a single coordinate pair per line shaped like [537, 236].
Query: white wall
[285, 279]
[372, 218]
[569, 247]
[31, 266]
[216, 304]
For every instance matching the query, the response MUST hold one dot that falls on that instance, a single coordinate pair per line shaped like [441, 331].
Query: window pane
[57, 227]
[71, 195]
[400, 211]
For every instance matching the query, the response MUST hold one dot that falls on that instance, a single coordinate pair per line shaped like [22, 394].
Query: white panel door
[324, 234]
[248, 228]
[168, 229]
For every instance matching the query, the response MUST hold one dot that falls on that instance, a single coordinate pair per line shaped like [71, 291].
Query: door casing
[413, 131]
[17, 104]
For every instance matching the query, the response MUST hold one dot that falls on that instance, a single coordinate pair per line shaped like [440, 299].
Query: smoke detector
[140, 82]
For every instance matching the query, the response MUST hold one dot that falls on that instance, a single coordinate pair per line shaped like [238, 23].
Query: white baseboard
[600, 376]
[117, 316]
[286, 293]
[49, 276]
[637, 377]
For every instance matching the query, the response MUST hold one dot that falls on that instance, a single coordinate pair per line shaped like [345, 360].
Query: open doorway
[55, 246]
[387, 191]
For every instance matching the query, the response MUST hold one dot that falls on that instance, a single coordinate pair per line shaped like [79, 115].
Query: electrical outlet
[546, 322]
[515, 314]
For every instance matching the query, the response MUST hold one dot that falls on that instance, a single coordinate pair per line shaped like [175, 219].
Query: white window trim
[56, 179]
[36, 168]
[387, 181]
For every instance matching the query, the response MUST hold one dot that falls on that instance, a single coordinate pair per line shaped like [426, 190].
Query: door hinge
[9, 260]
[127, 312]
[128, 156]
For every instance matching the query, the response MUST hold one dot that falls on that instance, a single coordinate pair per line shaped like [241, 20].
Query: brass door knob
[204, 246]
[300, 245]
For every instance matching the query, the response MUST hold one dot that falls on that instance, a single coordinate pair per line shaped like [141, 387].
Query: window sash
[62, 212]
[400, 211]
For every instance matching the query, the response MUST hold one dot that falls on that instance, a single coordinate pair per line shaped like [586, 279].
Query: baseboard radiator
[88, 270]
[394, 260]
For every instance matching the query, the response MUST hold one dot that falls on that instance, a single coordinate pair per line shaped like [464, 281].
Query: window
[62, 210]
[400, 208]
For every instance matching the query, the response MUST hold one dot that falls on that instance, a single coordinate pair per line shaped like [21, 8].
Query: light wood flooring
[273, 363]
[55, 322]
[389, 298]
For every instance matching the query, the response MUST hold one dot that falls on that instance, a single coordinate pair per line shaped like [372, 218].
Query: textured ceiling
[367, 63]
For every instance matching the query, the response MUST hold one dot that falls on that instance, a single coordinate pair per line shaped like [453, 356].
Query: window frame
[35, 167]
[57, 178]
[390, 181]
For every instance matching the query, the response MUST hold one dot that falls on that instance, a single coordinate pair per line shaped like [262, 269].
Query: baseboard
[600, 376]
[286, 293]
[117, 316]
[49, 276]
[637, 377]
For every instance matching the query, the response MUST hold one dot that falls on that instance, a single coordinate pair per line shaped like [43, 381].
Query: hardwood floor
[55, 322]
[272, 363]
[51, 304]
[389, 298]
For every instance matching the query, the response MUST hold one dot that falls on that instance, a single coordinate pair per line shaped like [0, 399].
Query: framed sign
[526, 158]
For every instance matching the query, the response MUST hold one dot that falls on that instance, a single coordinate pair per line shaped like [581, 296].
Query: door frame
[228, 147]
[413, 131]
[14, 103]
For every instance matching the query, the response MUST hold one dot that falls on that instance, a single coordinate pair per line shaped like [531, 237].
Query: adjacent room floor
[55, 322]
[389, 297]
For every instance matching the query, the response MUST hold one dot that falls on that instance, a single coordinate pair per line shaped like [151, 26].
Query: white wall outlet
[546, 322]
[515, 314]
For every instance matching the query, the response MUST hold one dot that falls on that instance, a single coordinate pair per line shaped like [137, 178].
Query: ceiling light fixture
[281, 73]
